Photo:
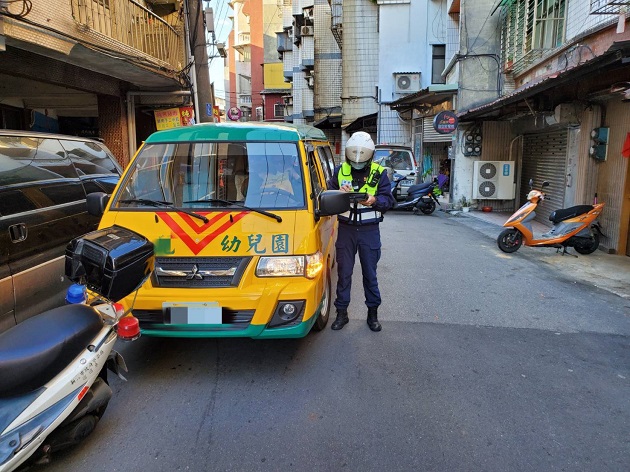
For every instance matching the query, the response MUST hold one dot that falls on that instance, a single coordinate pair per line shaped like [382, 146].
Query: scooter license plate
[203, 313]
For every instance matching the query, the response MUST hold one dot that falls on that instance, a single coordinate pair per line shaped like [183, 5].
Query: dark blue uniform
[355, 236]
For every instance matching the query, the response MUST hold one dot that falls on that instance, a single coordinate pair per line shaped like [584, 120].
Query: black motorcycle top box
[113, 261]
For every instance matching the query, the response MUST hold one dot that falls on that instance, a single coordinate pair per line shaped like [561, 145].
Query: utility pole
[197, 44]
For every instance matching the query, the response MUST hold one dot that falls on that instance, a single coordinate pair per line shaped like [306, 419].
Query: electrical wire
[27, 6]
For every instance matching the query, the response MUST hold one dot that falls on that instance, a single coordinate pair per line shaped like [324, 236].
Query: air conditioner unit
[494, 180]
[307, 30]
[407, 83]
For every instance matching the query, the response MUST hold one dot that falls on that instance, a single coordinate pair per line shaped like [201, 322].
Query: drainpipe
[191, 60]
[131, 113]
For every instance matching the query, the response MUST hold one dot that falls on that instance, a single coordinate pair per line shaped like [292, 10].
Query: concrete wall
[479, 71]
[407, 32]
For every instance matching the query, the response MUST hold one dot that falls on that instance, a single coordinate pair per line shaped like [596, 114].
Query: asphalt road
[486, 361]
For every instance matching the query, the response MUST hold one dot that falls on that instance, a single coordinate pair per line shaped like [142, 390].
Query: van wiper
[227, 202]
[160, 203]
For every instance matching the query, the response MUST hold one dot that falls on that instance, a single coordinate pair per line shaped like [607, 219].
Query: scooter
[53, 366]
[572, 227]
[419, 196]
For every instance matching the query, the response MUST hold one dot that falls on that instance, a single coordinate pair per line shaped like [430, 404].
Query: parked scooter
[419, 196]
[572, 227]
[53, 366]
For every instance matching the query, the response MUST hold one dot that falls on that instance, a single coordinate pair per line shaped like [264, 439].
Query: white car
[397, 160]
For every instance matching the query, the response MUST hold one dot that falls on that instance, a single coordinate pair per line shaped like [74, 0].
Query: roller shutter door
[432, 136]
[545, 158]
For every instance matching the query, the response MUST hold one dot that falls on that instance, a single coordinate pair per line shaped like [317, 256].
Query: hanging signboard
[216, 112]
[187, 116]
[445, 122]
[166, 119]
[174, 117]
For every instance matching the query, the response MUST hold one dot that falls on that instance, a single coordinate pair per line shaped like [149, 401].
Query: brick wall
[112, 123]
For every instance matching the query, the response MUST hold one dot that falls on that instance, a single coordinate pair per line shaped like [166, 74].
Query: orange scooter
[572, 227]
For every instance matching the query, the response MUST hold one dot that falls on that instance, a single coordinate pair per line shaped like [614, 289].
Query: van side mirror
[333, 202]
[96, 203]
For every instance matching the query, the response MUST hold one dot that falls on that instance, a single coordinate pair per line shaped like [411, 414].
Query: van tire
[322, 318]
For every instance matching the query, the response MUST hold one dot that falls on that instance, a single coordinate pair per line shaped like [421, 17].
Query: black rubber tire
[427, 210]
[591, 248]
[510, 240]
[324, 315]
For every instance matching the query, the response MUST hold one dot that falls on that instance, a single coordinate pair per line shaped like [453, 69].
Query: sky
[222, 27]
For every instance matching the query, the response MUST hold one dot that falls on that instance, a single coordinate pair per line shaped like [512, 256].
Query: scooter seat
[566, 213]
[419, 187]
[37, 349]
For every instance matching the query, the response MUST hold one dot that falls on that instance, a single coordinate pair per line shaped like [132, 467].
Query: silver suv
[399, 161]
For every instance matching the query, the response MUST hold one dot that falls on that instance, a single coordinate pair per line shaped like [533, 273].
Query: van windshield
[396, 159]
[203, 175]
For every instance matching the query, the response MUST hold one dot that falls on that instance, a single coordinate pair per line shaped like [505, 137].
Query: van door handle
[18, 232]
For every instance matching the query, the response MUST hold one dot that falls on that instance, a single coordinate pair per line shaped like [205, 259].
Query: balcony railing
[133, 25]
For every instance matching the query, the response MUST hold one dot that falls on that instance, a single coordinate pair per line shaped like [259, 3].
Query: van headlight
[290, 266]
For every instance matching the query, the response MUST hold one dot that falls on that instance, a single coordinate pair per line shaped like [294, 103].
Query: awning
[429, 97]
[365, 123]
[332, 121]
[603, 70]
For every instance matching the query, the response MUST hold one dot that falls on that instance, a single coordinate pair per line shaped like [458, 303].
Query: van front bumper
[227, 331]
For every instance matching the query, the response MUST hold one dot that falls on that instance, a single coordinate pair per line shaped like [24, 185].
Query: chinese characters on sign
[279, 244]
[445, 122]
[174, 117]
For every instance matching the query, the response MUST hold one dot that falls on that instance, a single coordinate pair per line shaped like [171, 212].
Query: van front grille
[198, 272]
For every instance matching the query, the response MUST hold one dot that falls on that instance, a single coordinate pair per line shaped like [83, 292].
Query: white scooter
[53, 367]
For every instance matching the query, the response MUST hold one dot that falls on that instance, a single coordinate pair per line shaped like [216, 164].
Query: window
[328, 163]
[190, 175]
[278, 110]
[90, 158]
[316, 182]
[28, 159]
[549, 25]
[530, 28]
[438, 64]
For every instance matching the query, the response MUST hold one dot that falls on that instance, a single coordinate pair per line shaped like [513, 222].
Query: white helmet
[359, 149]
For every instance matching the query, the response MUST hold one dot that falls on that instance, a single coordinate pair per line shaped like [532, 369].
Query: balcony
[131, 25]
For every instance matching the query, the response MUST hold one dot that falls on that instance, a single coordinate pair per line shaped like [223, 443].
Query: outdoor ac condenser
[494, 180]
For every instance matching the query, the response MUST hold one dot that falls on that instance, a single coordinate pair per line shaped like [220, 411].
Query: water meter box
[113, 261]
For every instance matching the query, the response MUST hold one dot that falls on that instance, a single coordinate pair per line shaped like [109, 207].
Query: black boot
[372, 319]
[341, 320]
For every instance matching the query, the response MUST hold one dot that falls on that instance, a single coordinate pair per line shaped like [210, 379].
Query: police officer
[358, 228]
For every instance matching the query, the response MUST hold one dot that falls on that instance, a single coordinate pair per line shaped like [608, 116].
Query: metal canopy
[426, 98]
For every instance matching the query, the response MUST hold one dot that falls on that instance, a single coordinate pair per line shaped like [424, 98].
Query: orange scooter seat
[566, 213]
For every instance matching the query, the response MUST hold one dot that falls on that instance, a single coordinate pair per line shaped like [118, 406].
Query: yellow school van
[243, 227]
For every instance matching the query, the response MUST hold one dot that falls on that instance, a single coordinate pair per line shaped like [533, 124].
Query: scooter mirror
[531, 183]
[545, 184]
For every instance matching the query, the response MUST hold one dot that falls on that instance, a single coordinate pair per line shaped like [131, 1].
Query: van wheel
[322, 319]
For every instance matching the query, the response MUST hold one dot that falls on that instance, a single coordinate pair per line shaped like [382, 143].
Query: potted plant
[465, 204]
[509, 64]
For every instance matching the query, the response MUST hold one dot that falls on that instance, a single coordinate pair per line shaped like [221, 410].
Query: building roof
[561, 85]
